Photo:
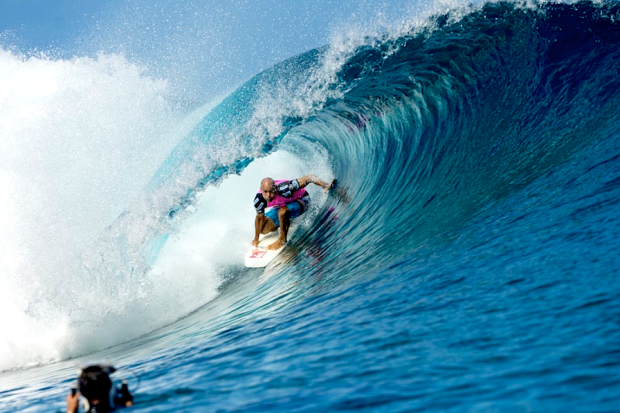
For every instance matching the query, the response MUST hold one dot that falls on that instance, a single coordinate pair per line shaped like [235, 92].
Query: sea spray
[80, 138]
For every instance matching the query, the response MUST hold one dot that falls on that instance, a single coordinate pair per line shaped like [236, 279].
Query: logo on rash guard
[259, 204]
[286, 189]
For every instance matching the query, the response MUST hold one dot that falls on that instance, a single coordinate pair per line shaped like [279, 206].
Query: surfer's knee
[284, 212]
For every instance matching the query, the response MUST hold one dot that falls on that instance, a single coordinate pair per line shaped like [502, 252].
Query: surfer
[287, 200]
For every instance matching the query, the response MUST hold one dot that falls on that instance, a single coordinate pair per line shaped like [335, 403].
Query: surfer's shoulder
[287, 188]
[260, 203]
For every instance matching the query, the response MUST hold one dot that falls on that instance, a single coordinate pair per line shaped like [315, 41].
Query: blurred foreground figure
[98, 392]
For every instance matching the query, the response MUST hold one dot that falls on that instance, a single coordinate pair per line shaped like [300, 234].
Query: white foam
[80, 138]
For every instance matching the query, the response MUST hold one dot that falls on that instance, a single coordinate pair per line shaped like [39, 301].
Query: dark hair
[95, 383]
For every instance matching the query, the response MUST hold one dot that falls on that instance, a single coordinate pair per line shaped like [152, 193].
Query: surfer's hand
[255, 243]
[330, 186]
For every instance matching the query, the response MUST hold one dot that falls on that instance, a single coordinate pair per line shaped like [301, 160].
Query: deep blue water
[468, 262]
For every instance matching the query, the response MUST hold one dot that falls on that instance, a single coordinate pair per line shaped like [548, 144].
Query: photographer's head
[98, 391]
[95, 385]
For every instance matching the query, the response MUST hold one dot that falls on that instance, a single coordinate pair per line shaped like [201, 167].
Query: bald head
[267, 184]
[267, 188]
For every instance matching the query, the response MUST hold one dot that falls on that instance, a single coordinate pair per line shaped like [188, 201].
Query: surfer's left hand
[331, 186]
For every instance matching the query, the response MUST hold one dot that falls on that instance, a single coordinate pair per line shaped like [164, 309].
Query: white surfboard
[259, 257]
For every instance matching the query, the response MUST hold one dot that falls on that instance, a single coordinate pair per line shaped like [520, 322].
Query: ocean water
[468, 260]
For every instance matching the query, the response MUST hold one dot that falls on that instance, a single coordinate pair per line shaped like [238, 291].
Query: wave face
[468, 260]
[438, 129]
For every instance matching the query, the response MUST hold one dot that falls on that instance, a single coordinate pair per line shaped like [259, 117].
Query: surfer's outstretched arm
[308, 179]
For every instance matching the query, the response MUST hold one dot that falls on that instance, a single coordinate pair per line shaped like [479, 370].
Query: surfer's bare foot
[255, 243]
[276, 245]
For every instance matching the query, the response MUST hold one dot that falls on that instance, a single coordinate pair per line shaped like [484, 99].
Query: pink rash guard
[286, 192]
[280, 201]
